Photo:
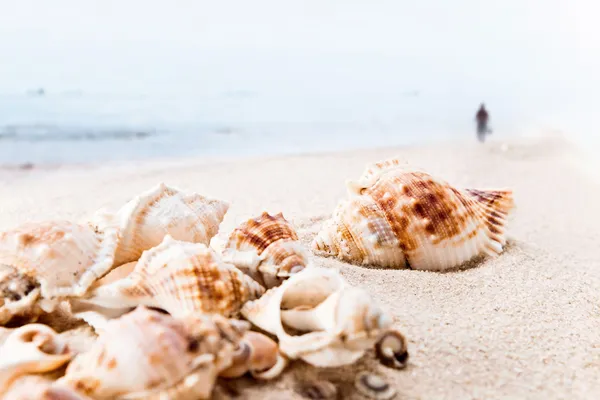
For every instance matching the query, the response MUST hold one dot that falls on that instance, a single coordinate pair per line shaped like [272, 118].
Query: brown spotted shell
[267, 249]
[51, 260]
[146, 354]
[164, 210]
[180, 278]
[396, 217]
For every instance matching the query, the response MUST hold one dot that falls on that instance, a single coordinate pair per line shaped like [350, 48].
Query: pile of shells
[172, 315]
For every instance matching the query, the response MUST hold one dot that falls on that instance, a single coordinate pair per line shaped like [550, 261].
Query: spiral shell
[267, 249]
[147, 354]
[397, 217]
[149, 217]
[180, 278]
[51, 260]
[30, 349]
[335, 322]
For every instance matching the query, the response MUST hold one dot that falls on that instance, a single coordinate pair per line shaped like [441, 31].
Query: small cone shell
[180, 278]
[147, 354]
[334, 322]
[267, 249]
[51, 260]
[161, 211]
[397, 217]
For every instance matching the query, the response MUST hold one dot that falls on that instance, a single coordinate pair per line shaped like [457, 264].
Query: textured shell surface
[53, 259]
[180, 277]
[318, 317]
[148, 354]
[267, 249]
[396, 217]
[34, 387]
[32, 348]
[149, 217]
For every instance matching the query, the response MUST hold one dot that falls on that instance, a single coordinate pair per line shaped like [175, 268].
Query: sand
[521, 325]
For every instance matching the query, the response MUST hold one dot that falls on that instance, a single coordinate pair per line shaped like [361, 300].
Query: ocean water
[136, 80]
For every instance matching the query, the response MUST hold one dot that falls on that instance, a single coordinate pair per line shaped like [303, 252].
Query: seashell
[397, 217]
[267, 249]
[391, 349]
[373, 386]
[318, 390]
[149, 217]
[32, 348]
[148, 354]
[32, 387]
[319, 318]
[180, 278]
[40, 263]
[257, 354]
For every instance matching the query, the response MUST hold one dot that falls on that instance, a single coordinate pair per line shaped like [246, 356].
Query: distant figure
[482, 117]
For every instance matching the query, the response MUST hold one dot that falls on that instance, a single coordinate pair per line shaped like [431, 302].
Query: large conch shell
[267, 249]
[147, 354]
[398, 217]
[40, 263]
[32, 348]
[318, 317]
[149, 217]
[180, 278]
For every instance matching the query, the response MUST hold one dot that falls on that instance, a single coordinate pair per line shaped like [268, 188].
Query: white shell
[147, 354]
[149, 217]
[34, 387]
[180, 278]
[30, 349]
[53, 259]
[336, 322]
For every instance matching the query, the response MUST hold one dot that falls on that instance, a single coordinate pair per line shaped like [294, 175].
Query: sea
[142, 80]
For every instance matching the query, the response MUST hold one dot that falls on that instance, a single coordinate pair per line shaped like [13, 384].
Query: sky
[135, 45]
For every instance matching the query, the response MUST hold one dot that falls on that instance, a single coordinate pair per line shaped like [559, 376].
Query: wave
[39, 133]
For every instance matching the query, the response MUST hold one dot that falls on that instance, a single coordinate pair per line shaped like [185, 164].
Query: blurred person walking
[482, 117]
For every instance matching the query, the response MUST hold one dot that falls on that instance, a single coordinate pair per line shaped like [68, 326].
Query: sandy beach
[525, 324]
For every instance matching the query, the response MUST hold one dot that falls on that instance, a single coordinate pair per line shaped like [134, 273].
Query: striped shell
[50, 260]
[32, 348]
[397, 217]
[267, 249]
[334, 322]
[149, 217]
[180, 278]
[150, 355]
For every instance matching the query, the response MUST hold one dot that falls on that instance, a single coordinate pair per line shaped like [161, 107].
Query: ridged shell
[335, 322]
[267, 249]
[147, 354]
[161, 211]
[30, 349]
[180, 277]
[397, 217]
[53, 259]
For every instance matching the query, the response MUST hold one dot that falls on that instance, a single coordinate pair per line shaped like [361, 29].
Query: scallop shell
[32, 348]
[147, 354]
[397, 217]
[319, 318]
[180, 278]
[43, 262]
[149, 217]
[267, 249]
